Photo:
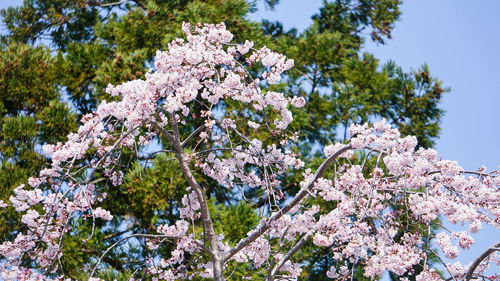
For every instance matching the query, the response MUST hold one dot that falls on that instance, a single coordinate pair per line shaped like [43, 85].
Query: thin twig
[125, 238]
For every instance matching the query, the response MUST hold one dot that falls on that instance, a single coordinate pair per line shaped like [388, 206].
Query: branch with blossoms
[382, 214]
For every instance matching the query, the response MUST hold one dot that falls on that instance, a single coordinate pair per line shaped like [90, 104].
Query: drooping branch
[296, 200]
[444, 264]
[290, 253]
[126, 238]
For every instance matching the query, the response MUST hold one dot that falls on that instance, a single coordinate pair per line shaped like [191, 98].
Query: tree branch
[164, 132]
[475, 264]
[205, 213]
[113, 3]
[140, 4]
[290, 253]
[123, 239]
[137, 2]
[296, 200]
[193, 134]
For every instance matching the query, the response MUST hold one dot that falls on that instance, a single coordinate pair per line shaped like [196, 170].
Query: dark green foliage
[351, 17]
[31, 114]
[236, 221]
[63, 21]
[96, 42]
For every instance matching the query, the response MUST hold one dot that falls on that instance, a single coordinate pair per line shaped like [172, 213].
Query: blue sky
[459, 40]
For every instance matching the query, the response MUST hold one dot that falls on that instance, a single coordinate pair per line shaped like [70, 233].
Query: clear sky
[460, 41]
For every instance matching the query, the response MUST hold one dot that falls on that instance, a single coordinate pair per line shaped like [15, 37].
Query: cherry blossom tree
[385, 203]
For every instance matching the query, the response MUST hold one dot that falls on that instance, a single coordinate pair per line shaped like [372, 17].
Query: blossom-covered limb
[481, 258]
[205, 213]
[294, 202]
[272, 271]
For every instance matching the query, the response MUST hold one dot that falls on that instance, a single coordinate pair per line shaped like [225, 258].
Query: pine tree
[95, 43]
